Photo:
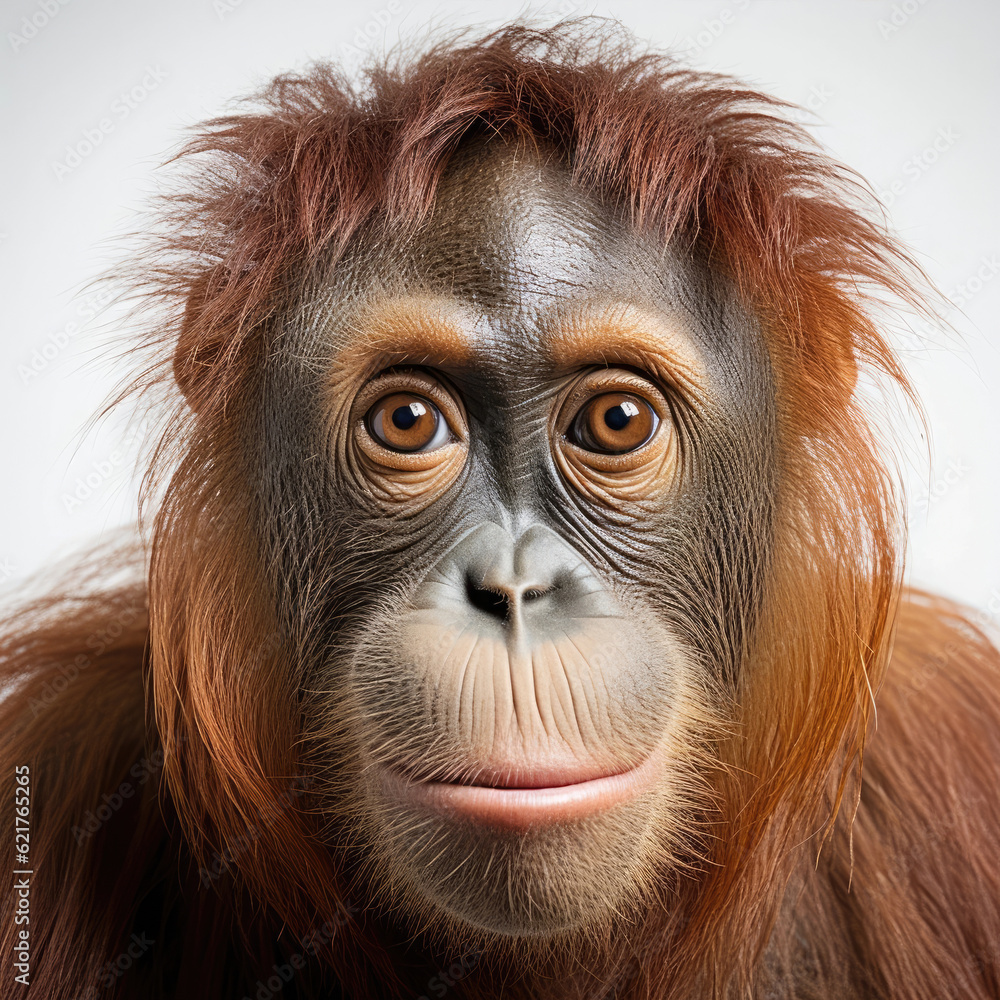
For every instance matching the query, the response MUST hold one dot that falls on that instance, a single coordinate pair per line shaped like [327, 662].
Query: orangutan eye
[614, 423]
[404, 421]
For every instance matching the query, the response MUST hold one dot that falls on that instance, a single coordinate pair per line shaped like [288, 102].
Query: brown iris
[613, 423]
[404, 421]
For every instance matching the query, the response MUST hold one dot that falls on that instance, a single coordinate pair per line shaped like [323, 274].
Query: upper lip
[552, 771]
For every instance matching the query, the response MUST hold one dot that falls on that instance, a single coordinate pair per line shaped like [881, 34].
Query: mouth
[529, 800]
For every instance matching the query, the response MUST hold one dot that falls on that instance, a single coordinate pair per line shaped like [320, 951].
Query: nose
[513, 576]
[534, 582]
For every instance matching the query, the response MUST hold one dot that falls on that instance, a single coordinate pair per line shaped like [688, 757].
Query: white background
[886, 80]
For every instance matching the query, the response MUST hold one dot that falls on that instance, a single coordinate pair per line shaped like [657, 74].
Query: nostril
[490, 601]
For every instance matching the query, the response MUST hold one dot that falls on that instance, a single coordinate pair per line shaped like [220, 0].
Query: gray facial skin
[515, 622]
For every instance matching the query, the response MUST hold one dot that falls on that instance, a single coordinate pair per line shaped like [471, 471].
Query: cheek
[404, 483]
[641, 488]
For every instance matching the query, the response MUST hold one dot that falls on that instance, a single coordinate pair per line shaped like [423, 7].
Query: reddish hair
[280, 188]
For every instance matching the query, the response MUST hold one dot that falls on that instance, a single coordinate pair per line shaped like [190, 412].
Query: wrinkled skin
[535, 634]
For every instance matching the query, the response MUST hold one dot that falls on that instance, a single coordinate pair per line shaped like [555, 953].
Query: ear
[202, 339]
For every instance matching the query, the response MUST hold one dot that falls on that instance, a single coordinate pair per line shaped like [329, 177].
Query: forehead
[510, 230]
[514, 258]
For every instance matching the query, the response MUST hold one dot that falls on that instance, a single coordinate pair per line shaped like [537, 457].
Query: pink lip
[519, 808]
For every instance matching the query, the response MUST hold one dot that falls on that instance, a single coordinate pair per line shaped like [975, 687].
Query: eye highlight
[407, 422]
[613, 423]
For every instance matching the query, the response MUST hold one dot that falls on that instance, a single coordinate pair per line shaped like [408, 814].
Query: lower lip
[524, 808]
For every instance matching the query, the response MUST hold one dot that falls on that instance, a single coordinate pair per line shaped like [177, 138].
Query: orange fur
[698, 161]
